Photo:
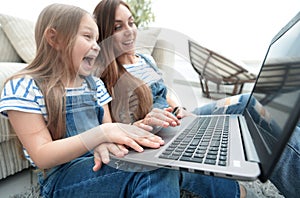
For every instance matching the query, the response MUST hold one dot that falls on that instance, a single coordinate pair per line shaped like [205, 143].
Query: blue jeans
[208, 186]
[77, 179]
[287, 171]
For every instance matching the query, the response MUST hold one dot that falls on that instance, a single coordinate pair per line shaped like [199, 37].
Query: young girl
[56, 109]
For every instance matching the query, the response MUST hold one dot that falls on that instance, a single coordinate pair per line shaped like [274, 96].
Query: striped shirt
[22, 94]
[144, 71]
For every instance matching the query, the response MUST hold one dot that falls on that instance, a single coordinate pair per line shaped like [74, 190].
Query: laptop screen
[273, 109]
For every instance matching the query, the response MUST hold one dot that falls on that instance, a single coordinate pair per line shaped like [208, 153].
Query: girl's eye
[87, 36]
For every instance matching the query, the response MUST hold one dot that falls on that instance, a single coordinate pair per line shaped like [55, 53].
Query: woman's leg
[79, 180]
[287, 171]
[208, 186]
[231, 105]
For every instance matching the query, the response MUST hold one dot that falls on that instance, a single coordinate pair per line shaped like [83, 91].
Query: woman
[132, 80]
[123, 60]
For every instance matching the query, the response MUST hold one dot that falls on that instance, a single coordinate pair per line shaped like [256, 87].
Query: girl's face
[86, 48]
[124, 31]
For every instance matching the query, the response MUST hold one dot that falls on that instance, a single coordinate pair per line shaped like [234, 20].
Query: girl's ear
[51, 37]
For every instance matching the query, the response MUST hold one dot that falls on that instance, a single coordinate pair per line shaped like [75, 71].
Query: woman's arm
[181, 111]
[171, 102]
[107, 116]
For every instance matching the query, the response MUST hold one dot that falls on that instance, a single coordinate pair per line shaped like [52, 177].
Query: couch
[18, 49]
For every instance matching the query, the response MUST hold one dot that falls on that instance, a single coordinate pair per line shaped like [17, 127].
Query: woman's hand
[101, 153]
[181, 112]
[158, 118]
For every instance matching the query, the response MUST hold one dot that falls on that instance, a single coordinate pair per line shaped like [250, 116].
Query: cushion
[7, 52]
[146, 39]
[9, 68]
[20, 33]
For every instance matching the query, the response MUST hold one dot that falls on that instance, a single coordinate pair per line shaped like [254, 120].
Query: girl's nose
[96, 47]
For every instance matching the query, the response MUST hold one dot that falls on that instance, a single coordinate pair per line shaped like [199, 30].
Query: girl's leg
[79, 180]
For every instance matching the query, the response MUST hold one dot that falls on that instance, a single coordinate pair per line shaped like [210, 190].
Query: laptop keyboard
[205, 141]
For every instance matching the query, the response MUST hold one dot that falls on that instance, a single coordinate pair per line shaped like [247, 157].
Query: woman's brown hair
[126, 90]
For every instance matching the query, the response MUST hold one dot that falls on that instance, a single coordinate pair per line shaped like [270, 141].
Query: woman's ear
[51, 37]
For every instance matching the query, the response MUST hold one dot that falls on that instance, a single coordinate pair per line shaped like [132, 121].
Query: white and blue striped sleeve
[21, 94]
[102, 93]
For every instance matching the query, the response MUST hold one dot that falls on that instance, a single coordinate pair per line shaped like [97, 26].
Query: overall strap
[91, 82]
[149, 62]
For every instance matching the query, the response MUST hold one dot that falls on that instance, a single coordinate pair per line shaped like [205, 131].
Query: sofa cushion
[7, 69]
[20, 33]
[146, 39]
[7, 51]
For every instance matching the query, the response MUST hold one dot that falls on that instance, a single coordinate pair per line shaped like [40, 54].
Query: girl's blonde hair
[53, 64]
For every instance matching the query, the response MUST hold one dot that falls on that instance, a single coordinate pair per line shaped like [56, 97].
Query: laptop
[243, 146]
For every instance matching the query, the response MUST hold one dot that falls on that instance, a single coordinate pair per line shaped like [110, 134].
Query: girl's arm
[102, 151]
[46, 153]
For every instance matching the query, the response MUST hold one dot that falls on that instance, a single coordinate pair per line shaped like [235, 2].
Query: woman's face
[124, 31]
[86, 48]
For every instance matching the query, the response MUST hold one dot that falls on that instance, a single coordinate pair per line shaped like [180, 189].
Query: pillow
[7, 52]
[20, 33]
[146, 39]
[9, 68]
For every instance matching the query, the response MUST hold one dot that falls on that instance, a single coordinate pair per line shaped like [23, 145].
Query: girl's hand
[130, 135]
[116, 135]
[101, 153]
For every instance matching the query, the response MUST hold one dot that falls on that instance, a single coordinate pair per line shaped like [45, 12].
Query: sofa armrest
[163, 54]
[6, 70]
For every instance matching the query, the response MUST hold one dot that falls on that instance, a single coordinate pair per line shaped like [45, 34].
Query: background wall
[240, 29]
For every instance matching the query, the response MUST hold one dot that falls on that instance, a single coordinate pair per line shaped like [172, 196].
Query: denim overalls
[77, 179]
[158, 89]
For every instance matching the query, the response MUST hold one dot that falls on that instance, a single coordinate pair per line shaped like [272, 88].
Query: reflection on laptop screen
[277, 90]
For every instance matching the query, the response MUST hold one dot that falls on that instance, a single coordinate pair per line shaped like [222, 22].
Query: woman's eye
[118, 27]
[131, 24]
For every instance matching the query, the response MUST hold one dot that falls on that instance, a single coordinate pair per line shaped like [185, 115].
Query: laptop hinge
[249, 147]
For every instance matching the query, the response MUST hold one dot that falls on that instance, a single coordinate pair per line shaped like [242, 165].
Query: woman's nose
[128, 32]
